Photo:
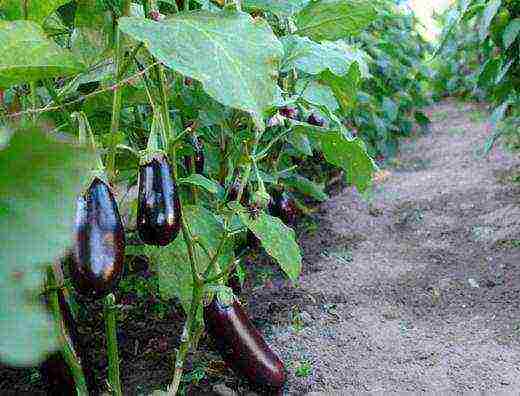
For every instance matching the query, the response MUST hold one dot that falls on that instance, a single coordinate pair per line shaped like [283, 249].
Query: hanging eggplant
[158, 206]
[99, 248]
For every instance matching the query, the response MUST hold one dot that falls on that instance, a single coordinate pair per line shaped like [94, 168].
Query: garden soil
[415, 288]
[418, 288]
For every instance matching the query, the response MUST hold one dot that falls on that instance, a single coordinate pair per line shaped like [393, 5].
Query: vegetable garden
[157, 156]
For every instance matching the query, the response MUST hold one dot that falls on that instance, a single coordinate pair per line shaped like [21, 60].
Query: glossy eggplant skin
[99, 248]
[242, 347]
[158, 205]
[283, 207]
[198, 157]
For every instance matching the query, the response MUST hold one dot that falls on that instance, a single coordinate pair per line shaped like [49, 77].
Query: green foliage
[247, 50]
[29, 56]
[40, 179]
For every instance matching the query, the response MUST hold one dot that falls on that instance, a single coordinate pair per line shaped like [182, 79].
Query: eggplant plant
[241, 95]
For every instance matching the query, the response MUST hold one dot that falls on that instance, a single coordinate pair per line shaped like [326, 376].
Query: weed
[303, 368]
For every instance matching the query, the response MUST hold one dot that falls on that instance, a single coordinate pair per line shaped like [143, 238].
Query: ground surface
[419, 290]
[416, 290]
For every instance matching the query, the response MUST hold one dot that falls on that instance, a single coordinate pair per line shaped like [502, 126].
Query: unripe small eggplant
[316, 119]
[284, 207]
[158, 205]
[289, 112]
[242, 347]
[198, 157]
[99, 247]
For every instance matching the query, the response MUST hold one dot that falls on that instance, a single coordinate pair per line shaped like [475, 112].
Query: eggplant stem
[68, 352]
[112, 348]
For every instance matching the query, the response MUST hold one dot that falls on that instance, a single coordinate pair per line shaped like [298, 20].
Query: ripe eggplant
[283, 207]
[55, 373]
[233, 191]
[198, 157]
[242, 347]
[99, 247]
[316, 119]
[289, 112]
[158, 205]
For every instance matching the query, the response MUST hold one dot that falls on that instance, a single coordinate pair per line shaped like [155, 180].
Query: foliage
[244, 77]
[480, 52]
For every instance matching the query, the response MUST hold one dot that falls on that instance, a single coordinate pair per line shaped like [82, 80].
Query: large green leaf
[489, 13]
[307, 187]
[278, 7]
[27, 55]
[277, 239]
[175, 277]
[37, 10]
[233, 56]
[40, 180]
[348, 154]
[345, 88]
[314, 58]
[511, 32]
[317, 93]
[334, 19]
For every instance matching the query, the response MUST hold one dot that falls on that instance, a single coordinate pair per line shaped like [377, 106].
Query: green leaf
[173, 264]
[344, 87]
[233, 56]
[201, 181]
[489, 13]
[317, 94]
[348, 154]
[313, 58]
[37, 10]
[88, 45]
[29, 56]
[334, 19]
[489, 72]
[307, 187]
[40, 180]
[300, 142]
[511, 32]
[277, 239]
[278, 7]
[422, 119]
[390, 109]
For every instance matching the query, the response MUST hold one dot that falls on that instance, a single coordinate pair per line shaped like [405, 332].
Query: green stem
[221, 275]
[34, 100]
[186, 5]
[116, 103]
[165, 110]
[215, 257]
[69, 354]
[112, 349]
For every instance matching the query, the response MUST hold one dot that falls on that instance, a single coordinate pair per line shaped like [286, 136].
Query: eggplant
[290, 112]
[198, 157]
[234, 283]
[283, 207]
[158, 204]
[242, 347]
[233, 191]
[316, 119]
[99, 247]
[55, 373]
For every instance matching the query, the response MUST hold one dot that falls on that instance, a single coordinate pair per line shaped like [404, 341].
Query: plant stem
[165, 111]
[112, 349]
[68, 352]
[34, 100]
[116, 103]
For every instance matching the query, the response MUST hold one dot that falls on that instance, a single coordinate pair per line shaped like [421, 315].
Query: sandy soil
[418, 289]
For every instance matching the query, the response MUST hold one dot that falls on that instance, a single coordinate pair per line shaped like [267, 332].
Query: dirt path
[418, 291]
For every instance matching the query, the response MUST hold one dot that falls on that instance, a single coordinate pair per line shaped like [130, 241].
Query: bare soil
[415, 289]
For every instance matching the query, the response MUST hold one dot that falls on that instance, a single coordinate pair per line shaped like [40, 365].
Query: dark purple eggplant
[234, 283]
[55, 373]
[242, 347]
[284, 207]
[158, 205]
[99, 247]
[198, 157]
[233, 191]
[289, 112]
[316, 119]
